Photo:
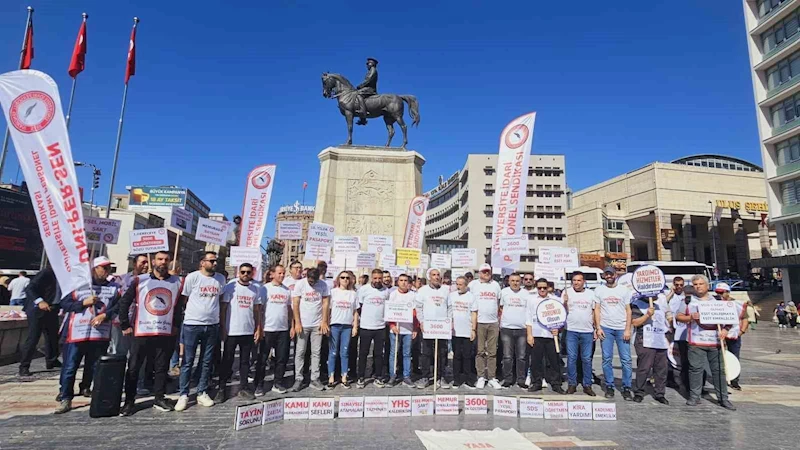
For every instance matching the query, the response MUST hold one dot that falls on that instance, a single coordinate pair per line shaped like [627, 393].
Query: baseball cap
[722, 287]
[485, 268]
[610, 269]
[101, 261]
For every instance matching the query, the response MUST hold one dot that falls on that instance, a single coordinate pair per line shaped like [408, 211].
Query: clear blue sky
[220, 89]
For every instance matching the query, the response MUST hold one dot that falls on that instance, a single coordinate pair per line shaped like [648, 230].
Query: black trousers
[680, 374]
[515, 347]
[463, 360]
[279, 340]
[416, 354]
[428, 348]
[368, 337]
[156, 348]
[648, 359]
[544, 354]
[352, 358]
[46, 323]
[245, 344]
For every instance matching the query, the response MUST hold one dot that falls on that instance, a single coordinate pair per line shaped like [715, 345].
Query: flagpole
[21, 58]
[74, 84]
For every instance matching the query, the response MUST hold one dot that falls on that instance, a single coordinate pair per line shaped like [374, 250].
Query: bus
[672, 269]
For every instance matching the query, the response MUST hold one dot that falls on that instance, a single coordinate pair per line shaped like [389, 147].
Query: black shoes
[127, 410]
[572, 389]
[86, 392]
[221, 396]
[735, 385]
[246, 394]
[558, 389]
[626, 394]
[25, 372]
[163, 404]
[53, 365]
[638, 398]
[727, 405]
[662, 400]
[609, 392]
[589, 391]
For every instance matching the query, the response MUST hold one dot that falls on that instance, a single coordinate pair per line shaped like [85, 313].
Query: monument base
[367, 190]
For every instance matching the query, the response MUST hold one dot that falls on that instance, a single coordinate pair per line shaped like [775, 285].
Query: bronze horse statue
[390, 106]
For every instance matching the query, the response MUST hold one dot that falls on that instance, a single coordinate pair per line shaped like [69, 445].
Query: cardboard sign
[351, 407]
[648, 280]
[476, 404]
[395, 271]
[400, 406]
[290, 230]
[551, 314]
[365, 260]
[213, 232]
[249, 416]
[424, 262]
[377, 243]
[580, 410]
[398, 309]
[407, 257]
[387, 260]
[518, 244]
[447, 405]
[548, 272]
[182, 219]
[559, 256]
[718, 313]
[101, 231]
[321, 408]
[464, 257]
[273, 411]
[346, 244]
[240, 255]
[422, 405]
[376, 407]
[468, 439]
[149, 240]
[531, 408]
[296, 408]
[318, 252]
[604, 411]
[556, 410]
[320, 234]
[505, 406]
[437, 329]
[440, 261]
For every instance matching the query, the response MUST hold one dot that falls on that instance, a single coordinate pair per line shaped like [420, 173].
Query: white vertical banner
[415, 224]
[257, 194]
[33, 110]
[510, 186]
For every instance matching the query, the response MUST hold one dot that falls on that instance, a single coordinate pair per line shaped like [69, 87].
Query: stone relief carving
[369, 194]
[365, 225]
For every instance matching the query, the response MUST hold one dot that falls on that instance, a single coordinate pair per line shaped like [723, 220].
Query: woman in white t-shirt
[344, 322]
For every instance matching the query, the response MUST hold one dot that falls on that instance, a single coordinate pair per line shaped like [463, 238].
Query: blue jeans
[17, 302]
[405, 341]
[205, 336]
[624, 349]
[579, 344]
[177, 353]
[339, 347]
[91, 351]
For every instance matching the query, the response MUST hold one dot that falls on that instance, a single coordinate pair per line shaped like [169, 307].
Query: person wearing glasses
[542, 342]
[487, 292]
[344, 322]
[240, 309]
[372, 301]
[294, 276]
[310, 300]
[278, 330]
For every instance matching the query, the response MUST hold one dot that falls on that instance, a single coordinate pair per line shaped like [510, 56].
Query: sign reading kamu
[748, 206]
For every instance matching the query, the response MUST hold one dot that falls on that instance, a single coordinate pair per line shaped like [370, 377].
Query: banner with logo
[257, 194]
[415, 224]
[33, 110]
[213, 231]
[101, 231]
[510, 186]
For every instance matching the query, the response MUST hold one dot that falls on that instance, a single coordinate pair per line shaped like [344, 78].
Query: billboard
[154, 198]
[20, 244]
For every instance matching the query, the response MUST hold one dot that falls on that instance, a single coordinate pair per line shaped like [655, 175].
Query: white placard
[398, 309]
[580, 410]
[437, 329]
[321, 408]
[273, 411]
[182, 219]
[447, 405]
[648, 280]
[290, 230]
[376, 407]
[422, 405]
[464, 257]
[296, 408]
[339, 260]
[440, 261]
[346, 244]
[388, 260]
[515, 245]
[551, 314]
[395, 271]
[249, 416]
[377, 243]
[318, 252]
[424, 262]
[365, 260]
[548, 272]
[321, 234]
[400, 406]
[101, 231]
[717, 313]
[458, 273]
[531, 408]
[559, 256]
[504, 406]
[351, 407]
[213, 232]
[149, 240]
[604, 411]
[240, 255]
[476, 404]
[556, 410]
[333, 271]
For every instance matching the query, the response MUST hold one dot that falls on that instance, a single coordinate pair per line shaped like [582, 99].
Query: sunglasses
[541, 287]
[527, 279]
[245, 272]
[344, 278]
[212, 261]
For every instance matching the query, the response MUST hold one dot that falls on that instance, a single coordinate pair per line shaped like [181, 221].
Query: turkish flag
[78, 61]
[130, 68]
[305, 184]
[27, 51]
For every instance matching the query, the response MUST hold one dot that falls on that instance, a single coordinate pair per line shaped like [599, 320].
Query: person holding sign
[310, 300]
[403, 331]
[278, 330]
[651, 322]
[542, 341]
[372, 301]
[733, 342]
[614, 318]
[344, 322]
[465, 323]
[704, 346]
[513, 308]
[580, 304]
[487, 292]
[432, 305]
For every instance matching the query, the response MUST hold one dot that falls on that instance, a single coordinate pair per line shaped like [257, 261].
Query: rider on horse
[367, 88]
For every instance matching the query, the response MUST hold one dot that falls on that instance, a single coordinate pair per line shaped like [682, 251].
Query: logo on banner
[419, 207]
[517, 136]
[158, 301]
[261, 180]
[32, 112]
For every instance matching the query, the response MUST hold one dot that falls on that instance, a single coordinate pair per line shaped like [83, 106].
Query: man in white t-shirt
[432, 304]
[372, 328]
[294, 276]
[513, 307]
[676, 299]
[310, 305]
[612, 315]
[542, 342]
[17, 288]
[200, 327]
[240, 309]
[487, 292]
[580, 304]
[404, 332]
[465, 323]
[278, 330]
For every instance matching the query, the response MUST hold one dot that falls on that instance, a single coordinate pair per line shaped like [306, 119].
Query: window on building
[767, 6]
[790, 192]
[540, 229]
[614, 245]
[539, 187]
[781, 31]
[549, 229]
[788, 151]
[559, 230]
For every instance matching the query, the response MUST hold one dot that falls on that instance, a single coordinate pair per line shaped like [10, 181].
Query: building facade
[460, 212]
[294, 250]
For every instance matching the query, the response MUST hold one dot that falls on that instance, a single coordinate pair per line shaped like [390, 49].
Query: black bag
[109, 381]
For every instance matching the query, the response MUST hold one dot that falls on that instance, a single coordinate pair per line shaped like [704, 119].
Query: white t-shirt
[613, 305]
[372, 302]
[580, 306]
[310, 301]
[537, 329]
[290, 282]
[488, 296]
[241, 302]
[677, 304]
[432, 303]
[17, 287]
[343, 306]
[463, 305]
[278, 303]
[410, 296]
[202, 292]
[515, 306]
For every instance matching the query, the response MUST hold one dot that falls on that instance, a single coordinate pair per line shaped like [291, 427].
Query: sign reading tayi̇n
[182, 219]
[648, 280]
[213, 232]
[320, 234]
[36, 125]
[407, 257]
[149, 240]
[249, 416]
[514, 245]
[257, 193]
[510, 195]
[377, 243]
[290, 230]
[717, 312]
[101, 231]
[415, 225]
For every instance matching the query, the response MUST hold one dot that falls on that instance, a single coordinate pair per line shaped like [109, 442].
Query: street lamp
[714, 238]
[95, 182]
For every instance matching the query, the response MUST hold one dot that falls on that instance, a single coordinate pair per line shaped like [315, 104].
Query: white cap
[101, 261]
[722, 287]
[485, 267]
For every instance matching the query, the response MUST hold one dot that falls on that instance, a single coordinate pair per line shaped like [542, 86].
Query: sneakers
[276, 388]
[63, 407]
[727, 405]
[588, 391]
[174, 372]
[507, 384]
[361, 384]
[204, 400]
[183, 402]
[662, 400]
[638, 398]
[522, 385]
[408, 383]
[495, 384]
[127, 409]
[298, 384]
[219, 398]
[692, 402]
[468, 385]
[245, 394]
[481, 383]
[163, 404]
[443, 384]
[260, 390]
[379, 383]
[626, 394]
[609, 392]
[317, 386]
[527, 381]
[571, 389]
[142, 392]
[422, 383]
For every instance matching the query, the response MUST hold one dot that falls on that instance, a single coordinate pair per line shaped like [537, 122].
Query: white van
[672, 269]
[592, 275]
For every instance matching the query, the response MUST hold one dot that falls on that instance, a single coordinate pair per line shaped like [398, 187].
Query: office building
[293, 249]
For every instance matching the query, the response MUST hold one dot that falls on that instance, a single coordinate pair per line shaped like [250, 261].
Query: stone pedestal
[367, 190]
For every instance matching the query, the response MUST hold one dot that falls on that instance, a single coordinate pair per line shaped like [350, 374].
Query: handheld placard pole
[150, 263]
[435, 363]
[555, 341]
[177, 244]
[723, 351]
[396, 347]
[651, 301]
